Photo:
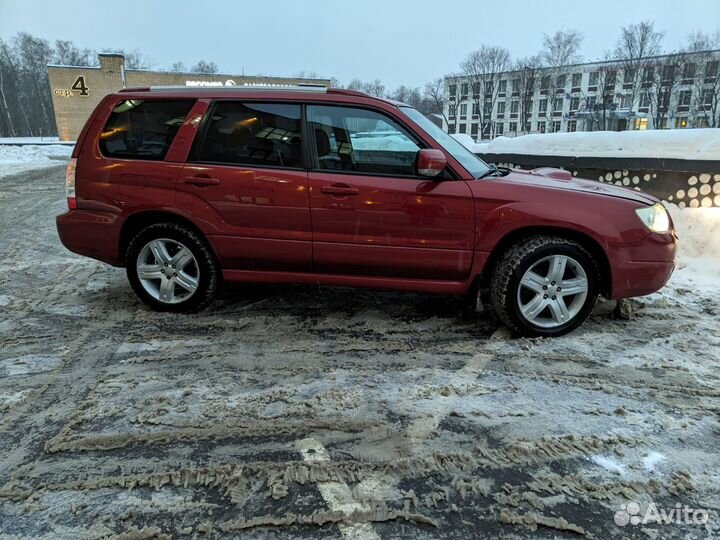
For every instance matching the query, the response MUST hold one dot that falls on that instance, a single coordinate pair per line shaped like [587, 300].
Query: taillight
[70, 184]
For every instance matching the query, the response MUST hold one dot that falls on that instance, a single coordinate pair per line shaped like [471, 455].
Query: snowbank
[699, 246]
[17, 159]
[701, 144]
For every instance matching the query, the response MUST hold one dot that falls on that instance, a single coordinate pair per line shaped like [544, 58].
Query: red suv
[188, 187]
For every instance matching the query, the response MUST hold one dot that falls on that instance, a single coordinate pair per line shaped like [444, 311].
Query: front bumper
[644, 267]
[92, 234]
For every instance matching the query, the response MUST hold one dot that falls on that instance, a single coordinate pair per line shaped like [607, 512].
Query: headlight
[655, 218]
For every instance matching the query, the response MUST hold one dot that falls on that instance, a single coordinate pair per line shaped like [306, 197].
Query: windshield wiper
[492, 171]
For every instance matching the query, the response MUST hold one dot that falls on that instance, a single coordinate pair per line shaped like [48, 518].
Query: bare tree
[435, 94]
[177, 66]
[527, 72]
[483, 69]
[134, 59]
[67, 54]
[634, 52]
[667, 76]
[374, 88]
[600, 106]
[561, 48]
[702, 73]
[204, 67]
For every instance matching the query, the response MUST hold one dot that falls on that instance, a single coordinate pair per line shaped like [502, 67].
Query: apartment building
[668, 91]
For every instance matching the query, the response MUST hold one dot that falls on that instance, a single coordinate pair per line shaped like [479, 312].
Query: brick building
[76, 90]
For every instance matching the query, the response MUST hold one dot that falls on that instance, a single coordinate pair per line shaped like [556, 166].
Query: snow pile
[668, 144]
[17, 159]
[699, 246]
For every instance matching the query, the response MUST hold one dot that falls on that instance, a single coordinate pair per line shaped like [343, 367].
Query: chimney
[113, 63]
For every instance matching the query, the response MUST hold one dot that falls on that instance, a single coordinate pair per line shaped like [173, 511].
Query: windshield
[473, 164]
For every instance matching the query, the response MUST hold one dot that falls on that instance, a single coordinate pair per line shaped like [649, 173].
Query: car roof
[285, 93]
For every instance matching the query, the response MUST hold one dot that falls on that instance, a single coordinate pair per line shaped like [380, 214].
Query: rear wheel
[171, 268]
[544, 286]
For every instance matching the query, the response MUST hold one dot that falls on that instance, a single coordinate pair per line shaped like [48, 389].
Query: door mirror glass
[430, 162]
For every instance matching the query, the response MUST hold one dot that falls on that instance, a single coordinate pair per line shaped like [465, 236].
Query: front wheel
[171, 268]
[544, 286]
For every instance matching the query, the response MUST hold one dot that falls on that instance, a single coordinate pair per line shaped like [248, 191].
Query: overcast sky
[407, 42]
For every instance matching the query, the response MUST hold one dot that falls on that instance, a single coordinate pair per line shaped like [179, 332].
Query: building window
[556, 126]
[594, 78]
[528, 127]
[648, 74]
[610, 78]
[668, 73]
[543, 106]
[560, 82]
[499, 128]
[463, 111]
[545, 82]
[681, 122]
[629, 75]
[516, 85]
[541, 127]
[576, 79]
[476, 90]
[501, 107]
[689, 72]
[474, 130]
[641, 123]
[707, 97]
[625, 101]
[463, 90]
[711, 70]
[590, 103]
[574, 103]
[488, 88]
[684, 98]
[453, 90]
[502, 86]
[451, 110]
[572, 125]
[645, 99]
[140, 129]
[487, 108]
[451, 129]
[513, 127]
[558, 105]
[476, 109]
[514, 106]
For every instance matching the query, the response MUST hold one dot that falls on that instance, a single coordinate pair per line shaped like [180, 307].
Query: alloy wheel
[168, 271]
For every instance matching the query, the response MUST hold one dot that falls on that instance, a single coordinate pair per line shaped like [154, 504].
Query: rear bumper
[92, 234]
[642, 268]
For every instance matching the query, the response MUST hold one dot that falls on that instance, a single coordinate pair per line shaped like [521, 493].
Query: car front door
[371, 213]
[246, 181]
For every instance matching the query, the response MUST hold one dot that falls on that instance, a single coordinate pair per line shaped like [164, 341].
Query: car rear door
[371, 213]
[246, 180]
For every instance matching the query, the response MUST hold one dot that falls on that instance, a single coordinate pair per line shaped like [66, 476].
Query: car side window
[143, 129]
[253, 134]
[360, 140]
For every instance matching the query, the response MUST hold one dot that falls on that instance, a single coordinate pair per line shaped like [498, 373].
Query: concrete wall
[685, 182]
[73, 105]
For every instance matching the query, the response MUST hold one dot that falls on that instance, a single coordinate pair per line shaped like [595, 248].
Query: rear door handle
[339, 189]
[201, 181]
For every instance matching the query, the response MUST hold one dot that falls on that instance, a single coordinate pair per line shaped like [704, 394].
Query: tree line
[650, 75]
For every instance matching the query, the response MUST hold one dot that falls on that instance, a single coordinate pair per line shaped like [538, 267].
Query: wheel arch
[134, 223]
[516, 235]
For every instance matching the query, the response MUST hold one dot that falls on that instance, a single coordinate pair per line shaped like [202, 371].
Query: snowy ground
[304, 412]
[17, 159]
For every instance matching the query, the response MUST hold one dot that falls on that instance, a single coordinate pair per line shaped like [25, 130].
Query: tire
[530, 301]
[187, 286]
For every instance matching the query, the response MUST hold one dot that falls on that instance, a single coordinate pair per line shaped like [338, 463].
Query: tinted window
[143, 129]
[253, 134]
[350, 139]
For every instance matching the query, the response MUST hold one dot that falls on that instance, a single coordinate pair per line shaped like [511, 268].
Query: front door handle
[339, 189]
[201, 181]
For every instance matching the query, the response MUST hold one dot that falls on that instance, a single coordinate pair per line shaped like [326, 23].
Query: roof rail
[244, 88]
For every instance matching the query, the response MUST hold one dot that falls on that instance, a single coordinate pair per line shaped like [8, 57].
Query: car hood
[559, 179]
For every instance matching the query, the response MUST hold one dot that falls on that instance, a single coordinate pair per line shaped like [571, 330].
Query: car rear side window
[266, 134]
[143, 129]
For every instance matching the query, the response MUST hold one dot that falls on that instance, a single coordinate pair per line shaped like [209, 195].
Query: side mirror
[430, 162]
